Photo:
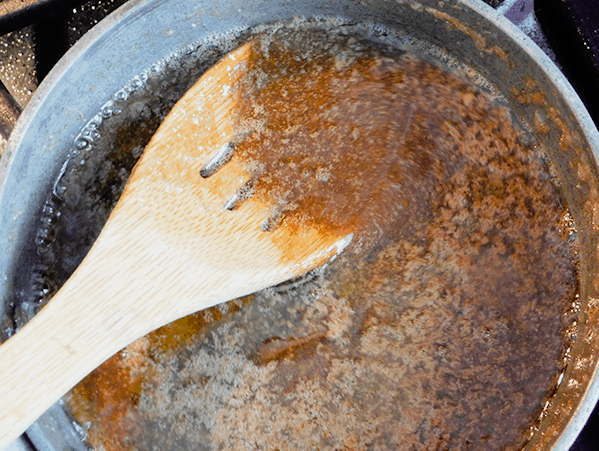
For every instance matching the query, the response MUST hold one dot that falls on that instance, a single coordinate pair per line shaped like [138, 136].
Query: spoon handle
[82, 326]
[124, 288]
[132, 281]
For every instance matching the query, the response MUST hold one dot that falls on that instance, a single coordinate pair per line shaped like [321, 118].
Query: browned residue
[442, 327]
[499, 52]
[547, 117]
[276, 348]
[560, 127]
[479, 41]
[541, 124]
[112, 392]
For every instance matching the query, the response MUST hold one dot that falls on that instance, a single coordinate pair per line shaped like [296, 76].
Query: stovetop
[34, 34]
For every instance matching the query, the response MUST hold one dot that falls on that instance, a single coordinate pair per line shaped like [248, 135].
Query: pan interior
[449, 326]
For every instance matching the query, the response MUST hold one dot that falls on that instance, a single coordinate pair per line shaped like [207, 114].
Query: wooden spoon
[169, 248]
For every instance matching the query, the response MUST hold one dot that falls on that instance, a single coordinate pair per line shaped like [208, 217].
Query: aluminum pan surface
[130, 40]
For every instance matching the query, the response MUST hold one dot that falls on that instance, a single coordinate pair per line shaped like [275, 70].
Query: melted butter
[443, 325]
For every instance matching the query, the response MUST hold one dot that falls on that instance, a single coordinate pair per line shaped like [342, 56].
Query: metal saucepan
[108, 62]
